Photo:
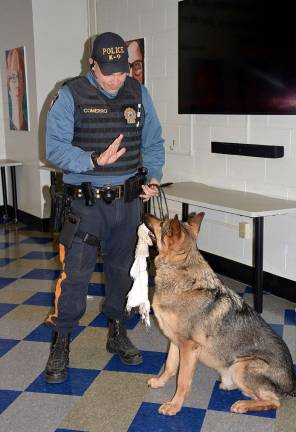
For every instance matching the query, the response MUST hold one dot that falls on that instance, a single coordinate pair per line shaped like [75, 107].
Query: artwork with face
[136, 53]
[16, 88]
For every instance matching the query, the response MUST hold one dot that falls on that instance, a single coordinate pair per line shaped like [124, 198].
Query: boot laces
[59, 353]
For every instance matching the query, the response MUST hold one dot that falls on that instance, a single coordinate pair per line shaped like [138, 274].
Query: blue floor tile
[221, 400]
[43, 333]
[290, 317]
[77, 382]
[68, 430]
[248, 290]
[5, 261]
[153, 362]
[133, 321]
[43, 274]
[148, 419]
[37, 240]
[101, 321]
[41, 299]
[6, 281]
[7, 397]
[95, 289]
[39, 255]
[5, 245]
[6, 345]
[5, 308]
[278, 328]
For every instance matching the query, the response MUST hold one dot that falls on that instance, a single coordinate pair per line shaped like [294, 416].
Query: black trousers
[115, 224]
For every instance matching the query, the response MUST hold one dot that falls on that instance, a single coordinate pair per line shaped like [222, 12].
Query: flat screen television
[236, 57]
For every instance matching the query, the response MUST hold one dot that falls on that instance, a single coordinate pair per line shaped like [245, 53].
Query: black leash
[159, 202]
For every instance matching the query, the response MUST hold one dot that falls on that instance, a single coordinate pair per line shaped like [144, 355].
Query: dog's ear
[195, 222]
[175, 227]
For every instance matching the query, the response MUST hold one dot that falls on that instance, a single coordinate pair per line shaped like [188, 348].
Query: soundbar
[255, 150]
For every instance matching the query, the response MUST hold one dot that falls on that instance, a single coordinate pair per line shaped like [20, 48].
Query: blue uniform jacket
[74, 161]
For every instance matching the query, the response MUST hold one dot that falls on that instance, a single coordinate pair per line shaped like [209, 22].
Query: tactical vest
[98, 120]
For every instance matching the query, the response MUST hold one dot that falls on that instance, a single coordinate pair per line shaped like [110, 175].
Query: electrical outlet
[244, 230]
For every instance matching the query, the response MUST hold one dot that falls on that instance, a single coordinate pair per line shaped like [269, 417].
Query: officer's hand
[112, 153]
[150, 190]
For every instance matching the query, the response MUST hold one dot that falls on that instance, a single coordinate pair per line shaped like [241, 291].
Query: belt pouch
[69, 230]
[88, 193]
[133, 186]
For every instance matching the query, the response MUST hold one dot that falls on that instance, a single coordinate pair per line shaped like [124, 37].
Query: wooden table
[240, 203]
[12, 164]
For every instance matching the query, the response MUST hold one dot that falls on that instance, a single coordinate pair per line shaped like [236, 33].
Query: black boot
[56, 367]
[119, 343]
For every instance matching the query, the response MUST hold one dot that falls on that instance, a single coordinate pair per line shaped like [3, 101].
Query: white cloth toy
[138, 295]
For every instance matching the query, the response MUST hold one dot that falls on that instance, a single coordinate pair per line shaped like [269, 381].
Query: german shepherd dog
[204, 320]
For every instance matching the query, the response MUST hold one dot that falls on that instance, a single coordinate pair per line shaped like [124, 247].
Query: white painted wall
[2, 134]
[188, 139]
[16, 29]
[60, 33]
[54, 34]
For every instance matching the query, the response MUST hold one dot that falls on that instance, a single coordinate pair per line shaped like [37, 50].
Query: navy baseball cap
[110, 52]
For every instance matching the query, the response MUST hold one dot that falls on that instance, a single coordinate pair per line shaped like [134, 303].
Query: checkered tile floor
[101, 394]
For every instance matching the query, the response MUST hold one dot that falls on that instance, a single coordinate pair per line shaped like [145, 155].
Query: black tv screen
[237, 57]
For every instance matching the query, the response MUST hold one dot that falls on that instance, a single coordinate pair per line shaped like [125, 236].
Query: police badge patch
[130, 115]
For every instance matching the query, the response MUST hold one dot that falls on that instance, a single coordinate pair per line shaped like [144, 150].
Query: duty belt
[131, 189]
[89, 193]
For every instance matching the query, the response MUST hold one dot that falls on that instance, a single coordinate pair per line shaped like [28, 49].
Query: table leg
[185, 210]
[14, 193]
[4, 191]
[258, 225]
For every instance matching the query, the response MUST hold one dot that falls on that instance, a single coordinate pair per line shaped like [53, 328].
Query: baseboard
[27, 219]
[272, 283]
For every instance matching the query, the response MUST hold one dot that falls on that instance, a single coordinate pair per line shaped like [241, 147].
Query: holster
[69, 230]
[133, 185]
[60, 206]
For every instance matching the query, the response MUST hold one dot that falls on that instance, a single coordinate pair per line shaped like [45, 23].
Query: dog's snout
[148, 220]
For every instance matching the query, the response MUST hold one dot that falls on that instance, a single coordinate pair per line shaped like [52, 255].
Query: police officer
[101, 128]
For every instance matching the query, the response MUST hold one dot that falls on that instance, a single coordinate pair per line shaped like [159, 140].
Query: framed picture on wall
[136, 59]
[17, 89]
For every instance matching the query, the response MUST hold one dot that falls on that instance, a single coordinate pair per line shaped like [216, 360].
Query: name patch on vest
[94, 110]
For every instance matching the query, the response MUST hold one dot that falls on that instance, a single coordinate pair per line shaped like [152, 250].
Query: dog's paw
[224, 386]
[239, 407]
[169, 408]
[155, 382]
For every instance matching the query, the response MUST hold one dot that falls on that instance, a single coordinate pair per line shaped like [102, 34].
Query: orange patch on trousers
[58, 289]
